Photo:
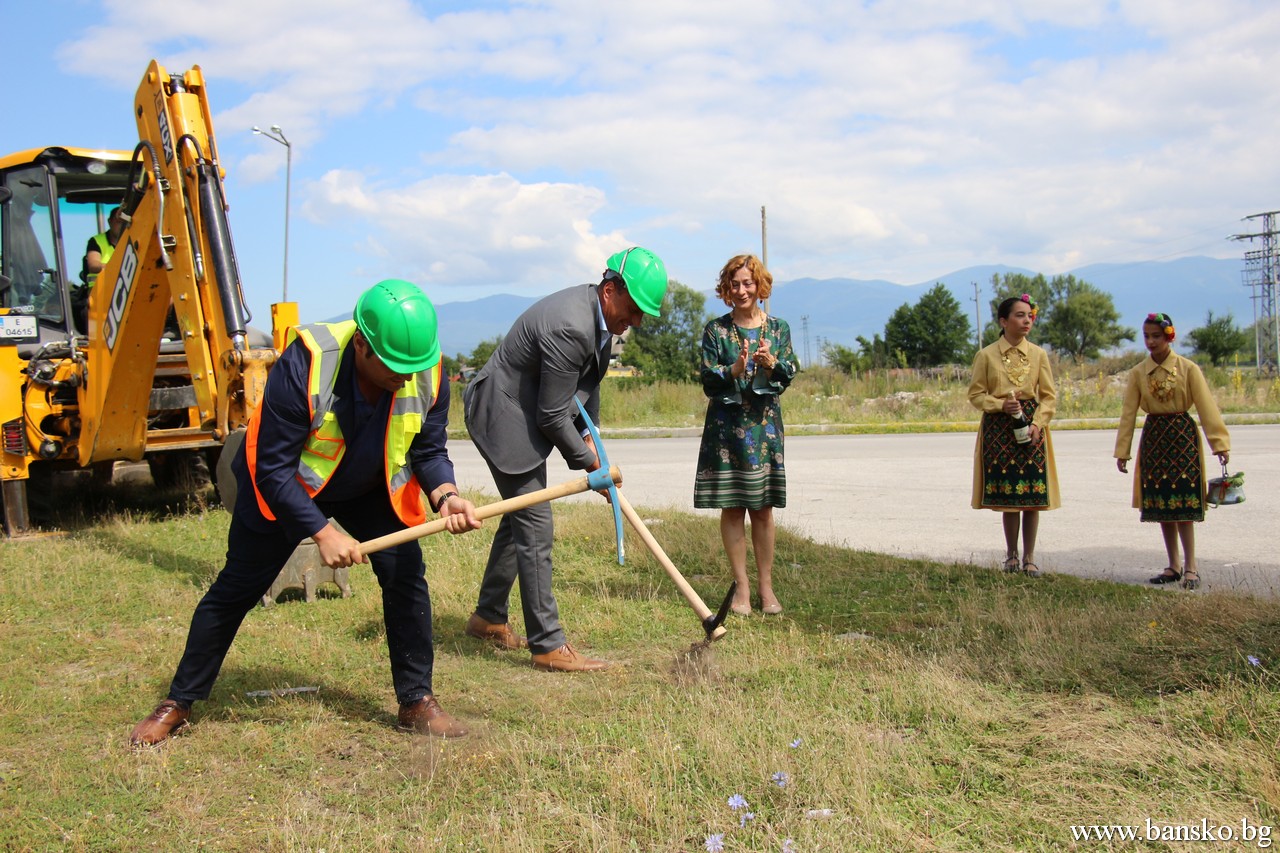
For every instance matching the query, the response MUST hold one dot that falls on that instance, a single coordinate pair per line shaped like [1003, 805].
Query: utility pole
[764, 247]
[804, 324]
[977, 317]
[1262, 269]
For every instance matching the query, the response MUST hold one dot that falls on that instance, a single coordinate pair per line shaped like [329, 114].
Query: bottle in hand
[1021, 428]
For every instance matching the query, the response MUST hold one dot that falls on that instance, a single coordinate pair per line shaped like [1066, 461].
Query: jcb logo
[120, 293]
[166, 134]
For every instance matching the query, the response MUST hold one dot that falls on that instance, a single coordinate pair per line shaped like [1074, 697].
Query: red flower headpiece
[1026, 297]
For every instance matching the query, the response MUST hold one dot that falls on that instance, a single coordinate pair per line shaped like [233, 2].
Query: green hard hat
[645, 276]
[399, 322]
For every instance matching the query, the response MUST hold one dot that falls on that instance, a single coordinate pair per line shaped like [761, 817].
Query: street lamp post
[277, 135]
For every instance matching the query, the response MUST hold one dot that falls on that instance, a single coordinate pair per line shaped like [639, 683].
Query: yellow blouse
[1000, 369]
[1165, 389]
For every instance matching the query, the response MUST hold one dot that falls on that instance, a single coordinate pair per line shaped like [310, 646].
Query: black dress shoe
[167, 719]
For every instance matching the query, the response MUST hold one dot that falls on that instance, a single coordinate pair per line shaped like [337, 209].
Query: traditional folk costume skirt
[1014, 476]
[1170, 470]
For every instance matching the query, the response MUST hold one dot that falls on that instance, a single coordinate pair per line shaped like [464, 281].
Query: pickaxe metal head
[712, 622]
[599, 479]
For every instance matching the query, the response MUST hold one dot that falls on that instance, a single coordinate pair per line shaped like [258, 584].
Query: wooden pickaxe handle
[551, 493]
[690, 594]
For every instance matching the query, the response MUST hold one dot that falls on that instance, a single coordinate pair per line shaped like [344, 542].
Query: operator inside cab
[100, 249]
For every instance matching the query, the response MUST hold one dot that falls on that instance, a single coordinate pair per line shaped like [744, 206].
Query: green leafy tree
[1016, 284]
[670, 347]
[842, 358]
[1218, 339]
[875, 354]
[1081, 320]
[934, 331]
[1075, 317]
[450, 365]
[480, 355]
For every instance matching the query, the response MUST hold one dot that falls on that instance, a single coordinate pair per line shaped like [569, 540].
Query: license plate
[18, 329]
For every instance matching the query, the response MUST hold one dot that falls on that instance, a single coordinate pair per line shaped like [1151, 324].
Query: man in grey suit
[519, 407]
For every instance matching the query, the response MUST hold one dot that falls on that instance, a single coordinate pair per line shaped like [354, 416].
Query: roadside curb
[899, 428]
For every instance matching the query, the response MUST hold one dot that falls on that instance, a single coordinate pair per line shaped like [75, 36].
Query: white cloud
[534, 233]
[896, 140]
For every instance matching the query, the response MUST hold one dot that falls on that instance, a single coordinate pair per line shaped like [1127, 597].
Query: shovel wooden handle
[690, 594]
[551, 493]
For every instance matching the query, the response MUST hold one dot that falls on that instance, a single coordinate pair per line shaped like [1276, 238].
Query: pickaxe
[597, 480]
[711, 622]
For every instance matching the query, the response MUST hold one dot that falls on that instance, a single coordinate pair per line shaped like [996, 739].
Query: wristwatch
[440, 504]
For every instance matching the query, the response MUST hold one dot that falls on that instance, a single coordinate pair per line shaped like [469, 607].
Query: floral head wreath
[1026, 297]
[1163, 321]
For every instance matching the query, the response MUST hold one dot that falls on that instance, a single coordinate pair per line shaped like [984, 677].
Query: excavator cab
[54, 201]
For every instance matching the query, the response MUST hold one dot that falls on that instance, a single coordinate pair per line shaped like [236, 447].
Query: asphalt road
[908, 495]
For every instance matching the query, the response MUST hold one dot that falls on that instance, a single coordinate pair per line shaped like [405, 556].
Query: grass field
[896, 705]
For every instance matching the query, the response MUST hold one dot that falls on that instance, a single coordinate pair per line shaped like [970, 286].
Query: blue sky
[510, 147]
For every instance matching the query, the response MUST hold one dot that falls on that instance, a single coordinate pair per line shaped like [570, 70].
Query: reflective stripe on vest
[325, 445]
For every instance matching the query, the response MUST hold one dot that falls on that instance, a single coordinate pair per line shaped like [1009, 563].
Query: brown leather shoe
[499, 634]
[167, 719]
[427, 717]
[566, 659]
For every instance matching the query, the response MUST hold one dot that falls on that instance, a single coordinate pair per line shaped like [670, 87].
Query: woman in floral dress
[1169, 482]
[1013, 383]
[747, 362]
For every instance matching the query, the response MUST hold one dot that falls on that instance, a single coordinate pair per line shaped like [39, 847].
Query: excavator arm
[174, 262]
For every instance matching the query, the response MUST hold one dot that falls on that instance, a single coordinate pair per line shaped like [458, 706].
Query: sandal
[1191, 579]
[1169, 575]
[1030, 569]
[1011, 564]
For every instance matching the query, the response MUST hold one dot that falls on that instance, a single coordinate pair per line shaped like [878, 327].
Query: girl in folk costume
[1013, 470]
[1169, 481]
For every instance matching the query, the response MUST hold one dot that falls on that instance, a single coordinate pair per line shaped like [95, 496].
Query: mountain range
[838, 310]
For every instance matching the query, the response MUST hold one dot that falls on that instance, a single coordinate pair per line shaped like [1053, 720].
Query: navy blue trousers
[254, 559]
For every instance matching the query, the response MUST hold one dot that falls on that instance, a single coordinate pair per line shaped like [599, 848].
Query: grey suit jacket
[521, 403]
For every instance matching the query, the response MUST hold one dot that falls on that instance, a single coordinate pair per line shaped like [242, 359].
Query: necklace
[1162, 389]
[1016, 372]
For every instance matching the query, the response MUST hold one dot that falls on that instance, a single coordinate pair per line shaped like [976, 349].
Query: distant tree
[450, 364]
[1075, 317]
[934, 331]
[945, 327]
[842, 358]
[670, 347]
[1081, 321]
[480, 355]
[1016, 284]
[875, 354]
[1218, 339]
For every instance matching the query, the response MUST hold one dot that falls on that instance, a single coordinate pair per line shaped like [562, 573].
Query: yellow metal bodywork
[105, 406]
[156, 265]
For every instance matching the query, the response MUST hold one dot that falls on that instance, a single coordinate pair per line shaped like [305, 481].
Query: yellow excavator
[151, 356]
